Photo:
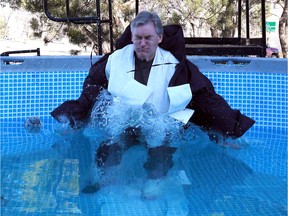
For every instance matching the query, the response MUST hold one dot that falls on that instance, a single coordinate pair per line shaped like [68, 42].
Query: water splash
[113, 117]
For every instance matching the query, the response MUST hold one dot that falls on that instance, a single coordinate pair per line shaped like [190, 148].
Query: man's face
[145, 41]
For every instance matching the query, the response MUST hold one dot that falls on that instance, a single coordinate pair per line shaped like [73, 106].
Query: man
[153, 70]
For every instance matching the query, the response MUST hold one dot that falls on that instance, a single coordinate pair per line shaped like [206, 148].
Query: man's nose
[143, 41]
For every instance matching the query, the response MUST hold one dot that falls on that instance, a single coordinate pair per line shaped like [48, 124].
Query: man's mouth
[142, 49]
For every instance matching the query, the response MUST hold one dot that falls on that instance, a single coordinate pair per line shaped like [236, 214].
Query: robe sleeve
[212, 112]
[77, 111]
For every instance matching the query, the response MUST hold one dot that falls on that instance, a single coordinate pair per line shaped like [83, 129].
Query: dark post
[136, 6]
[263, 28]
[111, 26]
[239, 19]
[99, 27]
[247, 20]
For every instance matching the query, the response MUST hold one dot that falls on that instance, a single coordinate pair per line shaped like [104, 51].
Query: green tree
[204, 18]
[81, 34]
[196, 16]
[2, 27]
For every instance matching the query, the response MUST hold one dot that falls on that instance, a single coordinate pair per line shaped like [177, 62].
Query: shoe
[153, 188]
[93, 182]
[91, 188]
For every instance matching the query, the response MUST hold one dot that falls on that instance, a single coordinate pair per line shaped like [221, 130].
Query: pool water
[42, 173]
[41, 177]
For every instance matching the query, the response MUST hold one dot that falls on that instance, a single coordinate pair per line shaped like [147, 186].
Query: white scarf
[120, 71]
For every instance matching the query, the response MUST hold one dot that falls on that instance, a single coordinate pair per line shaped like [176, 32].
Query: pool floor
[40, 176]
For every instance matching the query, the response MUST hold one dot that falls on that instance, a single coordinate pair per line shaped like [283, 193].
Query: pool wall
[33, 86]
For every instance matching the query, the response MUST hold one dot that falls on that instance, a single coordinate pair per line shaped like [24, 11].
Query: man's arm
[77, 111]
[212, 112]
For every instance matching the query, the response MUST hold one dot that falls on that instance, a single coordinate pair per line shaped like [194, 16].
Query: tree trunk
[214, 32]
[283, 30]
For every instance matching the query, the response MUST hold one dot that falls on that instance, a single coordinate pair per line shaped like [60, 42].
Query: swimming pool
[40, 171]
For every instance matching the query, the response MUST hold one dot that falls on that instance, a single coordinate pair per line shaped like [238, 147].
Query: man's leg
[110, 153]
[159, 162]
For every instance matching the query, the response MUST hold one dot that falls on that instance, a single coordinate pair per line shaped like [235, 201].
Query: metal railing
[86, 20]
[7, 53]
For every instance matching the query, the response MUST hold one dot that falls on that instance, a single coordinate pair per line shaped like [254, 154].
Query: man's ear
[160, 38]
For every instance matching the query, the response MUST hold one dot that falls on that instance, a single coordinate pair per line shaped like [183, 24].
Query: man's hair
[145, 17]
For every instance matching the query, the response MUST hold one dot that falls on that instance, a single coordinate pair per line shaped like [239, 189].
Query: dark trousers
[159, 160]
